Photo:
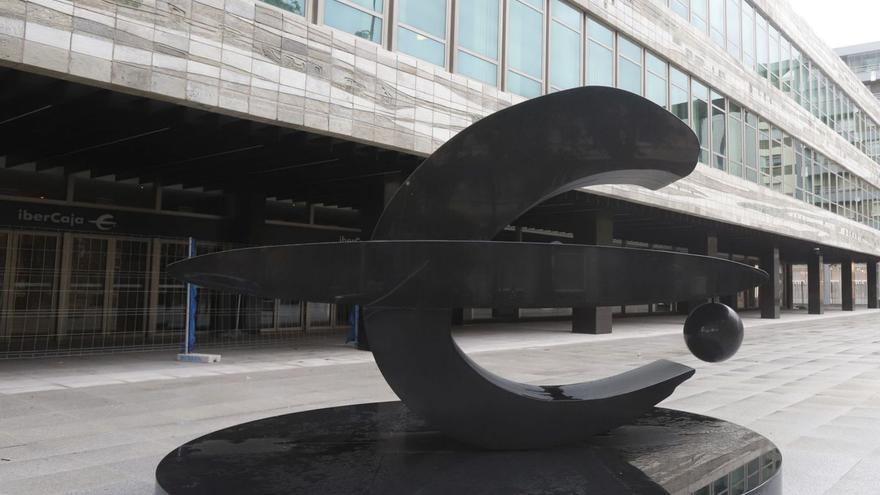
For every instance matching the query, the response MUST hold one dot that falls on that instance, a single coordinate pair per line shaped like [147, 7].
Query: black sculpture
[432, 250]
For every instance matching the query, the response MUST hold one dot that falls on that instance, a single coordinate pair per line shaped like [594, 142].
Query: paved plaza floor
[100, 424]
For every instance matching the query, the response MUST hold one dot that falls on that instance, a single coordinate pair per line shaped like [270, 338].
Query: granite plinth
[384, 448]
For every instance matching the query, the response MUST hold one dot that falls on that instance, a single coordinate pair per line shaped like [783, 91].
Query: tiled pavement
[100, 424]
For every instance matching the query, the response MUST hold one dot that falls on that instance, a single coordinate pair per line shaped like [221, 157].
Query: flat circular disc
[382, 448]
[443, 274]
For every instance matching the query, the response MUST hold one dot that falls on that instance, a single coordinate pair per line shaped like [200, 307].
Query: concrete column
[769, 293]
[374, 200]
[247, 213]
[706, 245]
[827, 288]
[847, 286]
[816, 283]
[375, 197]
[595, 228]
[788, 286]
[458, 316]
[505, 314]
[872, 284]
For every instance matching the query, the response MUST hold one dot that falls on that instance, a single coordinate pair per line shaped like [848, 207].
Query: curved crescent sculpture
[431, 251]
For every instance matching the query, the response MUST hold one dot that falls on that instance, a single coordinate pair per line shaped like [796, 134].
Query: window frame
[397, 24]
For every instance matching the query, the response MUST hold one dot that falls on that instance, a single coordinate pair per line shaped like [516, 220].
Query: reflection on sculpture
[713, 332]
[432, 250]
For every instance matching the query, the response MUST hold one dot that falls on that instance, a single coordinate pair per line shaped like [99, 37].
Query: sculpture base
[382, 448]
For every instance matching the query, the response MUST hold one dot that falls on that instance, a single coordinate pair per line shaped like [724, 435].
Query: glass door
[171, 304]
[5, 239]
[32, 302]
[289, 314]
[85, 290]
[127, 318]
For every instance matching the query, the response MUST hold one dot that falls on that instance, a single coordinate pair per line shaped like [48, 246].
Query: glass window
[773, 61]
[376, 5]
[629, 65]
[733, 28]
[761, 42]
[719, 125]
[734, 139]
[805, 82]
[799, 164]
[700, 124]
[678, 94]
[814, 90]
[655, 79]
[764, 152]
[600, 55]
[700, 14]
[776, 175]
[362, 18]
[477, 37]
[785, 64]
[795, 69]
[525, 49]
[421, 29]
[720, 486]
[681, 8]
[789, 165]
[748, 35]
[716, 14]
[738, 481]
[295, 6]
[565, 46]
[750, 148]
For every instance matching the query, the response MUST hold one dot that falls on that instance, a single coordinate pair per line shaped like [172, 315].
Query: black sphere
[713, 332]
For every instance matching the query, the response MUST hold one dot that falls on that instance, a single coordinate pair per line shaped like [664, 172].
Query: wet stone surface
[383, 448]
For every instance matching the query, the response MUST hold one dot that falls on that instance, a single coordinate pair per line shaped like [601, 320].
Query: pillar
[769, 294]
[788, 286]
[595, 228]
[816, 283]
[827, 288]
[707, 245]
[375, 197]
[847, 286]
[505, 314]
[872, 284]
[457, 316]
[246, 211]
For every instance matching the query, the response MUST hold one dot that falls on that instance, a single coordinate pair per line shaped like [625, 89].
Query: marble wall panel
[247, 58]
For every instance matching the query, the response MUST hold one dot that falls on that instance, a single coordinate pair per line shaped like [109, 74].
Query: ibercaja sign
[61, 219]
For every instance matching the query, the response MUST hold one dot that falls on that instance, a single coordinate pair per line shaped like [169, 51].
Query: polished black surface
[713, 332]
[444, 274]
[382, 448]
[470, 189]
[501, 166]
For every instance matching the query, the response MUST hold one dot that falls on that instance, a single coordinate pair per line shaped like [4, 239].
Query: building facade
[128, 127]
[864, 60]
